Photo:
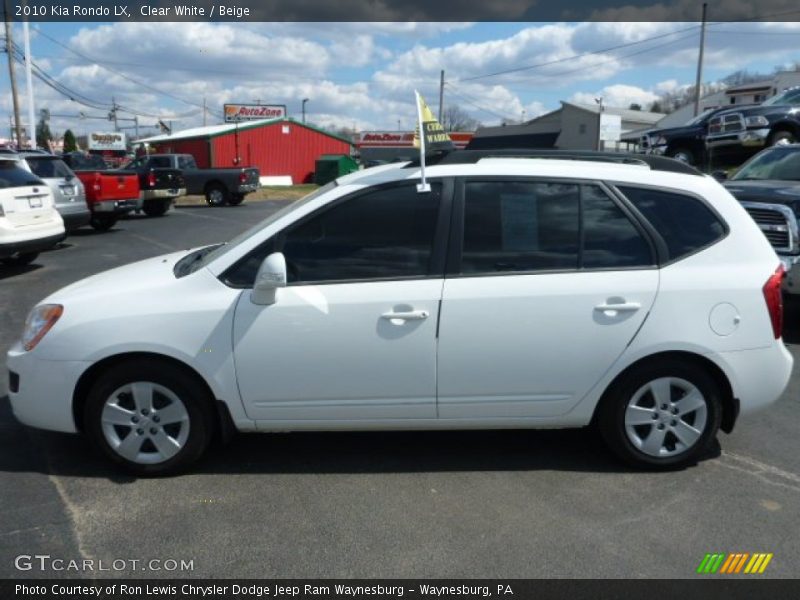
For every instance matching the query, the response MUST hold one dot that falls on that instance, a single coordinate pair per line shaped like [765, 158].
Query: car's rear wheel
[20, 259]
[662, 415]
[156, 208]
[151, 418]
[216, 195]
[103, 222]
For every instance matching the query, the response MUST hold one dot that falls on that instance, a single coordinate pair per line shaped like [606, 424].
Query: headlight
[40, 320]
[758, 121]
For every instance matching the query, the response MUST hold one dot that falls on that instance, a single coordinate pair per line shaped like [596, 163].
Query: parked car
[68, 191]
[159, 184]
[29, 221]
[219, 186]
[686, 143]
[736, 134]
[768, 186]
[529, 290]
[110, 194]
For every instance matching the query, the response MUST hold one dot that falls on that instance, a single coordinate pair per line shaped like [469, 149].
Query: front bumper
[748, 138]
[44, 388]
[163, 194]
[120, 207]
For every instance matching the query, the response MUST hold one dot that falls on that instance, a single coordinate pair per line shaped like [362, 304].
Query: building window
[758, 98]
[733, 99]
[582, 129]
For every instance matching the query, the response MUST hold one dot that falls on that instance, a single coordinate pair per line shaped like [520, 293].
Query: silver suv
[68, 191]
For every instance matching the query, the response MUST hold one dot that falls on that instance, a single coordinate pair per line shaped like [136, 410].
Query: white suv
[552, 290]
[29, 221]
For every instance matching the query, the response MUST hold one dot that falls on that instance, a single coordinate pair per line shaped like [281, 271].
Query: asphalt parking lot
[454, 504]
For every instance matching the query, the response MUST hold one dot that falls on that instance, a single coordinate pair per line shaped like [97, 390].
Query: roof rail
[465, 157]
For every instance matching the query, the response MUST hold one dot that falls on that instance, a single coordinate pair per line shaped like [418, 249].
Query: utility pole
[204, 111]
[112, 116]
[441, 95]
[11, 74]
[699, 81]
[29, 84]
[303, 108]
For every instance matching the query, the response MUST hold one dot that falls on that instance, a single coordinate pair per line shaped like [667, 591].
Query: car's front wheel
[662, 415]
[151, 418]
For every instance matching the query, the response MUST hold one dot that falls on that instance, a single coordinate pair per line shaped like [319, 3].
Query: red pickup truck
[109, 193]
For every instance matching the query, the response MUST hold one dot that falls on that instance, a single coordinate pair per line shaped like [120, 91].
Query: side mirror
[719, 175]
[271, 276]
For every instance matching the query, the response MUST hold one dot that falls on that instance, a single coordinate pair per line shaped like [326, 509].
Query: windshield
[781, 163]
[194, 261]
[791, 96]
[701, 117]
[49, 168]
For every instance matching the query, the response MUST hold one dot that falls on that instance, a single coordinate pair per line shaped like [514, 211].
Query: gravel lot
[453, 504]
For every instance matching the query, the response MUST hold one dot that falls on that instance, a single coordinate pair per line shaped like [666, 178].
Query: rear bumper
[33, 245]
[162, 194]
[75, 220]
[119, 207]
[247, 188]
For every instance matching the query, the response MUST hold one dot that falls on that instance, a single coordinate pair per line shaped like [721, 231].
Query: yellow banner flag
[436, 138]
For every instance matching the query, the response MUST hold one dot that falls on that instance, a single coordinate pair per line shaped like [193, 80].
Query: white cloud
[618, 95]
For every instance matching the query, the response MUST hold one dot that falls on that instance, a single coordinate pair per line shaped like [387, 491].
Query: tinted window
[159, 162]
[385, 233]
[49, 168]
[609, 237]
[685, 223]
[81, 162]
[13, 175]
[186, 162]
[520, 226]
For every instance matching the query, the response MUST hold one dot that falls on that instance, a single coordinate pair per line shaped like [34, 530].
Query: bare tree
[456, 118]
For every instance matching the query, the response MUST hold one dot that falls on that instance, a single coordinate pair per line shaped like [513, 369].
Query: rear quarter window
[685, 223]
[13, 175]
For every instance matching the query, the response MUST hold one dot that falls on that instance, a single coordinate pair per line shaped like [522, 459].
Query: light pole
[304, 109]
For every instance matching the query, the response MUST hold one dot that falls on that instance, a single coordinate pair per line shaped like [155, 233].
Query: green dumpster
[330, 166]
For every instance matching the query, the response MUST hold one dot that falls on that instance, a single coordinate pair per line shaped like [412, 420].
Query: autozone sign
[253, 112]
[403, 139]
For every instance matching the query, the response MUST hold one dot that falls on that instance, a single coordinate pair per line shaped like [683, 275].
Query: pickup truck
[219, 186]
[740, 133]
[110, 194]
[158, 185]
[686, 143]
[768, 187]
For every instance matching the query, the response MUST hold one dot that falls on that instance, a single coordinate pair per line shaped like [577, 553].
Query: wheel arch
[224, 426]
[785, 125]
[214, 183]
[730, 404]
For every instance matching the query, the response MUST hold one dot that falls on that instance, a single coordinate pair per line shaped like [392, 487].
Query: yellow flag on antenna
[435, 137]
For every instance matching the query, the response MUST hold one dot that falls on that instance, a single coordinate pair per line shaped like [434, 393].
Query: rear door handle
[613, 309]
[411, 315]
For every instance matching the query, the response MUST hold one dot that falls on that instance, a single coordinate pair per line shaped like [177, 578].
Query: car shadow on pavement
[576, 450]
[7, 271]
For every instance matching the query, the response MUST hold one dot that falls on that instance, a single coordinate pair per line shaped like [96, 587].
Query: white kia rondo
[521, 291]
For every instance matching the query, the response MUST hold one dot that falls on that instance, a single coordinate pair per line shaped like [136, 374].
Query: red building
[278, 147]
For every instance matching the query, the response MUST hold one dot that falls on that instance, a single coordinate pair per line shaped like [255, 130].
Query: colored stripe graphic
[734, 562]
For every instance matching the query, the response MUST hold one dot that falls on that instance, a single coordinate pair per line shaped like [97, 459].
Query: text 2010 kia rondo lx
[519, 292]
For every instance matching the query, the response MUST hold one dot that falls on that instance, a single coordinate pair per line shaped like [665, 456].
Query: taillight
[151, 179]
[242, 177]
[774, 299]
[96, 183]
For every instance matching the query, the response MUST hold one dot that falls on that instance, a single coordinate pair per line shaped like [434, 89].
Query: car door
[547, 284]
[353, 335]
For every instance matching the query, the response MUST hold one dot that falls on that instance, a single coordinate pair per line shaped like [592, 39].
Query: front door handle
[613, 309]
[411, 315]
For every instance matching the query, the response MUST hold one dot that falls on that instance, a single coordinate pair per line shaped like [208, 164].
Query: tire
[156, 208]
[103, 222]
[217, 195]
[629, 416]
[236, 199]
[20, 260]
[781, 137]
[126, 414]
[685, 155]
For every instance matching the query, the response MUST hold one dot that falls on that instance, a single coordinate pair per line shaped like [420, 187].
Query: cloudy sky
[363, 75]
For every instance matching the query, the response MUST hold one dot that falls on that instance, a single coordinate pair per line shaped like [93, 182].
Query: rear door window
[49, 168]
[684, 222]
[13, 175]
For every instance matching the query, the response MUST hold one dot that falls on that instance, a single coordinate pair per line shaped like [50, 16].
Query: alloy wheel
[666, 417]
[145, 423]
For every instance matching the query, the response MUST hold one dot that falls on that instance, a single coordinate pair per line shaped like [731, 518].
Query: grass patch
[267, 192]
